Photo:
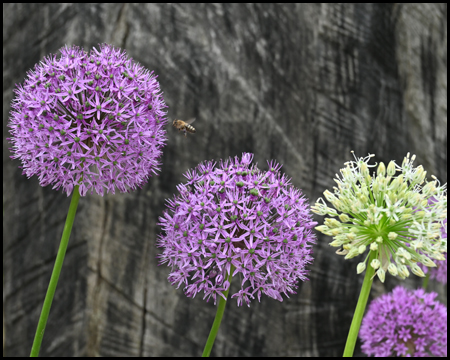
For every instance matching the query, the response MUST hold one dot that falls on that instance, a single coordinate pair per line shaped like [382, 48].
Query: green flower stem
[219, 314]
[425, 280]
[360, 307]
[55, 274]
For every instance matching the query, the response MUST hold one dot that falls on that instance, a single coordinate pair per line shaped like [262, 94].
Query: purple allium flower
[94, 120]
[235, 214]
[405, 323]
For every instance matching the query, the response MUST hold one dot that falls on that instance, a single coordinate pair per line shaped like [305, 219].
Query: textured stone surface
[303, 84]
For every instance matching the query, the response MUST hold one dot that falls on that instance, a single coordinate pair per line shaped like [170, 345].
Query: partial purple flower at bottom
[236, 214]
[405, 323]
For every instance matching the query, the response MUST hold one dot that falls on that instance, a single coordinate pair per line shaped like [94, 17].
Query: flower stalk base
[55, 274]
[218, 318]
[360, 307]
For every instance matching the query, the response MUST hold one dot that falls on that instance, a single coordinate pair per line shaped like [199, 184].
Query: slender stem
[360, 307]
[426, 279]
[218, 319]
[55, 274]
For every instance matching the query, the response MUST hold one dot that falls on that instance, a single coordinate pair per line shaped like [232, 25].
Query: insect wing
[190, 121]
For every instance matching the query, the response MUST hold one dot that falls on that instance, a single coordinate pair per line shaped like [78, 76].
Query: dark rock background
[303, 84]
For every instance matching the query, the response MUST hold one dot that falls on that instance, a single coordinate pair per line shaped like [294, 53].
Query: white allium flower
[388, 212]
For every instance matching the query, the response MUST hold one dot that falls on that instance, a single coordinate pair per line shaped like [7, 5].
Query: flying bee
[184, 125]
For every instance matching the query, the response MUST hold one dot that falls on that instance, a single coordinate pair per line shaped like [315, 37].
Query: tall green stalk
[426, 279]
[360, 307]
[55, 274]
[218, 319]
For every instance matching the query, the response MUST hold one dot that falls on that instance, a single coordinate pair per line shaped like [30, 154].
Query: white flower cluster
[395, 212]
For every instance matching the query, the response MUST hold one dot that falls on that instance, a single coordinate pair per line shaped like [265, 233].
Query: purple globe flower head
[405, 323]
[236, 216]
[95, 120]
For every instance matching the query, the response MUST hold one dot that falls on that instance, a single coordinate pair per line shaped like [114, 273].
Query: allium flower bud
[389, 212]
[381, 274]
[392, 269]
[381, 169]
[95, 120]
[405, 323]
[375, 263]
[403, 271]
[392, 236]
[218, 220]
[391, 169]
[416, 270]
[361, 267]
[354, 251]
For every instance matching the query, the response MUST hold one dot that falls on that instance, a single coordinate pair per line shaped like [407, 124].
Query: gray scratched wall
[303, 84]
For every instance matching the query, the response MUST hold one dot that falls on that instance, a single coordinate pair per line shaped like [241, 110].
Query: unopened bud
[361, 267]
[419, 175]
[336, 243]
[322, 228]
[364, 169]
[416, 270]
[403, 271]
[381, 274]
[392, 236]
[427, 262]
[391, 168]
[375, 263]
[361, 249]
[393, 269]
[331, 223]
[335, 231]
[352, 253]
[329, 196]
[381, 169]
